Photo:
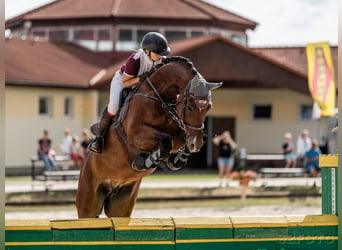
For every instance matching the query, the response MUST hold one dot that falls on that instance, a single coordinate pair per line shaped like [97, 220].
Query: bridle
[170, 109]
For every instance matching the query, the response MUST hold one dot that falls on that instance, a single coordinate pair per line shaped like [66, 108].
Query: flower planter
[244, 182]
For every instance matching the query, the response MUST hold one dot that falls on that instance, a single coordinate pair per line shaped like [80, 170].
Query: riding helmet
[156, 43]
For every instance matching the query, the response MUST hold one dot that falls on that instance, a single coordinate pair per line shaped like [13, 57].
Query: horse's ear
[194, 83]
[214, 85]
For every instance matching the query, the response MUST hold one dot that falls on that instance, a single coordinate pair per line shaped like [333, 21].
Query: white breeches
[114, 94]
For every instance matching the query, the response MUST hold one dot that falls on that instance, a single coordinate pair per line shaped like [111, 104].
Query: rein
[169, 108]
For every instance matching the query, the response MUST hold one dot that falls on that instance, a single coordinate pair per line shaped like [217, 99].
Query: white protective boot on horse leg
[145, 162]
[153, 160]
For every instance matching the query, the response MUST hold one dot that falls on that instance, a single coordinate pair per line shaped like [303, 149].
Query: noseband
[170, 110]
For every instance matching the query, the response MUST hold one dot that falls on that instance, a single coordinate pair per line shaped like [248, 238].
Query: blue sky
[281, 23]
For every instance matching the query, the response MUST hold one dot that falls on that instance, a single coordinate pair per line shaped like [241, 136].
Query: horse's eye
[190, 108]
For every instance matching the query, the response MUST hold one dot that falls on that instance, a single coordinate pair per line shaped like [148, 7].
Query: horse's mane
[171, 59]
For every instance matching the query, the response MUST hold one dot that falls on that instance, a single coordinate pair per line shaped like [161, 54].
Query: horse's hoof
[138, 163]
[175, 166]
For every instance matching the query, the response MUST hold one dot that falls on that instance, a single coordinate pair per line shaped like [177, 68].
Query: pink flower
[239, 175]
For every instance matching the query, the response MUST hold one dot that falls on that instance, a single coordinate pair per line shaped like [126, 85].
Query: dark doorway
[198, 160]
[206, 157]
[221, 124]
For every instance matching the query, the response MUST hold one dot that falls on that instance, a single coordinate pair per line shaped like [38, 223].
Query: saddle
[121, 113]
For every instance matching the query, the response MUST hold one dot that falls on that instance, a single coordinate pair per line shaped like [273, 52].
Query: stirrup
[96, 145]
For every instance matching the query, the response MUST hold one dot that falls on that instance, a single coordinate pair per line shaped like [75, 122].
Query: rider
[154, 47]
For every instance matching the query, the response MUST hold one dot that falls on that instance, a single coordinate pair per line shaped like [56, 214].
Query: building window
[125, 41]
[104, 42]
[68, 107]
[39, 34]
[175, 35]
[262, 112]
[305, 112]
[85, 38]
[197, 33]
[59, 35]
[239, 39]
[44, 106]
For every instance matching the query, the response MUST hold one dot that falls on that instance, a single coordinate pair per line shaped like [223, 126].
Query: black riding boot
[100, 130]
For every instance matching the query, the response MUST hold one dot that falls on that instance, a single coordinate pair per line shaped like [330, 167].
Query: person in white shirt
[303, 144]
[66, 143]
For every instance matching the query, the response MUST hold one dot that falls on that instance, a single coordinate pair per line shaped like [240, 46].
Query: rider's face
[155, 57]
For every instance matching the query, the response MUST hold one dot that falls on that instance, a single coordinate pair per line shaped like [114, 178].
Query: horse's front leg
[149, 139]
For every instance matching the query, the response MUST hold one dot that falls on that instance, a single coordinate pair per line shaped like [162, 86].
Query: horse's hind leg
[121, 202]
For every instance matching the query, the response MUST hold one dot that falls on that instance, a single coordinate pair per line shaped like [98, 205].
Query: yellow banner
[321, 76]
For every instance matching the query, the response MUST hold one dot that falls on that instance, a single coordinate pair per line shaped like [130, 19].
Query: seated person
[287, 147]
[311, 159]
[45, 152]
[76, 152]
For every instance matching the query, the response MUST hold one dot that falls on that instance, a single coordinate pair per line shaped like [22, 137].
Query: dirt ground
[199, 209]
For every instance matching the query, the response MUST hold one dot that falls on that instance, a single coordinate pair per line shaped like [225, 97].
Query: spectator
[66, 143]
[303, 145]
[225, 160]
[288, 149]
[45, 152]
[85, 141]
[311, 159]
[76, 151]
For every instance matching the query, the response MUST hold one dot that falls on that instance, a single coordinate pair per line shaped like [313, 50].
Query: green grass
[18, 179]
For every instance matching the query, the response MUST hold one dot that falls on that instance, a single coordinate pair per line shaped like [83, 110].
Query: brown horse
[162, 122]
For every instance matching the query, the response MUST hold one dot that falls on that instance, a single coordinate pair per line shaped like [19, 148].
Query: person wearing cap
[311, 159]
[288, 149]
[154, 47]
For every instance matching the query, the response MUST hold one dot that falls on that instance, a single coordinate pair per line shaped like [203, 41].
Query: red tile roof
[217, 58]
[161, 9]
[294, 57]
[211, 56]
[29, 62]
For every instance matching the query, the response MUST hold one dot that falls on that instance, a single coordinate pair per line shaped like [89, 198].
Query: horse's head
[197, 103]
[185, 96]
